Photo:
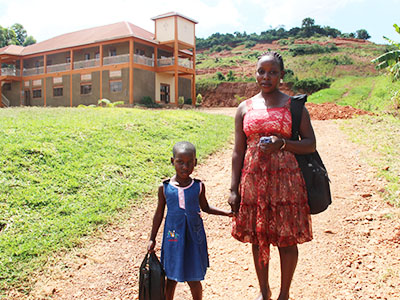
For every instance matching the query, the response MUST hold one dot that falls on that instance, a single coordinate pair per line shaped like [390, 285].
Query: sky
[44, 19]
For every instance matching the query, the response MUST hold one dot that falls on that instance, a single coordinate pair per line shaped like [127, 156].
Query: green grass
[65, 172]
[367, 93]
[380, 135]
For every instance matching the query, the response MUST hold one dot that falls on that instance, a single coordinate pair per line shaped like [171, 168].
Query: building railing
[33, 71]
[58, 68]
[84, 64]
[143, 60]
[184, 62]
[113, 60]
[10, 72]
[5, 101]
[165, 61]
[169, 61]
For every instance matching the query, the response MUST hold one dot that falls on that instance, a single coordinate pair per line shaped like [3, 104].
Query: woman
[268, 193]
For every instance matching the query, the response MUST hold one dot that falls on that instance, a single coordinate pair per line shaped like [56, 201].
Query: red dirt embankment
[230, 94]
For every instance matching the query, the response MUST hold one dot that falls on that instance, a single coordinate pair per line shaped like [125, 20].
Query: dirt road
[355, 253]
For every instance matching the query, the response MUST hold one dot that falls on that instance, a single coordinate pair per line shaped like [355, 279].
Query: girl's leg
[170, 289]
[196, 289]
[262, 274]
[288, 256]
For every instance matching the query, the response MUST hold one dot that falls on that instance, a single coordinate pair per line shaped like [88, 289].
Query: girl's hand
[150, 246]
[234, 202]
[274, 145]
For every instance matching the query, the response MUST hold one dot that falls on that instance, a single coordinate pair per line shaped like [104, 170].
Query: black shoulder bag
[151, 279]
[311, 165]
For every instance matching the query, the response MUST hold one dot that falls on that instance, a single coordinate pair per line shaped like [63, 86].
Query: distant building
[119, 62]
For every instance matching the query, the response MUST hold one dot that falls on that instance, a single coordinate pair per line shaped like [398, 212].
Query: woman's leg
[196, 289]
[262, 274]
[170, 289]
[288, 256]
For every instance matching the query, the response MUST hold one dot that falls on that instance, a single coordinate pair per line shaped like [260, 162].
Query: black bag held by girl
[311, 165]
[151, 279]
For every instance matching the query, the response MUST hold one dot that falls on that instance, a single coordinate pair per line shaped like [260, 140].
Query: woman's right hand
[150, 246]
[234, 201]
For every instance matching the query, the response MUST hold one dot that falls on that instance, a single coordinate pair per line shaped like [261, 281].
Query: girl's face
[184, 163]
[268, 74]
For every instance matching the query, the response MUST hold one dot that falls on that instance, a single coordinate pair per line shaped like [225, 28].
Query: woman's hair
[275, 55]
[184, 147]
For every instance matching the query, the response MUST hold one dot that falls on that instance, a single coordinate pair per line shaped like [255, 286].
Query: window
[49, 62]
[68, 59]
[37, 93]
[139, 51]
[7, 86]
[164, 93]
[57, 91]
[97, 55]
[112, 52]
[116, 86]
[87, 56]
[86, 89]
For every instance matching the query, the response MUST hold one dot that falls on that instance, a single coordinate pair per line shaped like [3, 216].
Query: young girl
[184, 247]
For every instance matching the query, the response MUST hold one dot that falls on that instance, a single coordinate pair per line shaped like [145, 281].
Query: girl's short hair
[183, 146]
[275, 55]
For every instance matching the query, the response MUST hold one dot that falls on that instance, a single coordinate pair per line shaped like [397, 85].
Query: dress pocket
[196, 229]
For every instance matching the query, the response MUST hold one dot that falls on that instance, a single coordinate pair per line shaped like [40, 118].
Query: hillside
[227, 77]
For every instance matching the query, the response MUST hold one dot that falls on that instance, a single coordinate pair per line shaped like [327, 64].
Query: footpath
[355, 253]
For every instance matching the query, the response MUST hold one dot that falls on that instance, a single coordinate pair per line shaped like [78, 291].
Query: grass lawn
[66, 171]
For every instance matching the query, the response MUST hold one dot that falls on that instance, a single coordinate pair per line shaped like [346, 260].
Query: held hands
[234, 202]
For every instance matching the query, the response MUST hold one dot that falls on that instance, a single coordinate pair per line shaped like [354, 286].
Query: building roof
[171, 14]
[83, 37]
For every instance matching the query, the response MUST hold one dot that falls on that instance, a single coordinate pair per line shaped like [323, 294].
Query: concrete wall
[144, 84]
[165, 78]
[63, 100]
[186, 31]
[116, 96]
[185, 88]
[165, 29]
[87, 99]
[13, 95]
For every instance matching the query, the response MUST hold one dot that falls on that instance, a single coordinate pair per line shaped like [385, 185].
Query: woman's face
[268, 74]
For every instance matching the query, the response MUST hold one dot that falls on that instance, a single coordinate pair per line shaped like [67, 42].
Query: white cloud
[44, 19]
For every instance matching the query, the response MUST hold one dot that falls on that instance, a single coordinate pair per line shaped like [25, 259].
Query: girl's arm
[157, 219]
[237, 158]
[211, 209]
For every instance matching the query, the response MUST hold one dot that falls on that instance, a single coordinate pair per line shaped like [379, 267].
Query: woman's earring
[281, 80]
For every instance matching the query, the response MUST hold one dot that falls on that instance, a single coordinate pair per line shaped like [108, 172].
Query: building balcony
[114, 60]
[33, 71]
[10, 72]
[58, 68]
[170, 61]
[143, 60]
[86, 64]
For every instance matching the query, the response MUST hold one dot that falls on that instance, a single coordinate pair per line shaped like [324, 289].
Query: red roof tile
[83, 37]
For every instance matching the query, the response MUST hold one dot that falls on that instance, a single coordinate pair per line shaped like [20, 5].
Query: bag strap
[296, 110]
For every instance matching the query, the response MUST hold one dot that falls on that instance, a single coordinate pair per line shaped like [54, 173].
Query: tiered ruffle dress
[273, 208]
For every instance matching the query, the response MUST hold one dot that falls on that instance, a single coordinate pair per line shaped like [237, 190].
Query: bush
[188, 101]
[249, 44]
[148, 102]
[311, 49]
[312, 85]
[199, 99]
[220, 76]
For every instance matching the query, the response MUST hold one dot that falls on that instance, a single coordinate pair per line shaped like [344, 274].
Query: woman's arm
[157, 219]
[210, 209]
[307, 143]
[239, 151]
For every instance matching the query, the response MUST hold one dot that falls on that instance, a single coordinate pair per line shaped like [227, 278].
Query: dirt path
[355, 253]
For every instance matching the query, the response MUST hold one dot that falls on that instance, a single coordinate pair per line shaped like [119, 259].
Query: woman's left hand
[274, 145]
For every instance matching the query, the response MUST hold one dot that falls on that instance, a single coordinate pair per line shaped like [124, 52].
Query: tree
[307, 22]
[29, 41]
[362, 34]
[390, 60]
[20, 33]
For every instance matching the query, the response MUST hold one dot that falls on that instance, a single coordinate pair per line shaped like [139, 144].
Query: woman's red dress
[273, 208]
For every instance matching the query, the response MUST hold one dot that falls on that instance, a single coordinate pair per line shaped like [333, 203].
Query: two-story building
[119, 62]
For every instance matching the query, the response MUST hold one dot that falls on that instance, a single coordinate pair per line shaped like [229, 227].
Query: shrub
[148, 102]
[188, 101]
[249, 44]
[311, 49]
[311, 85]
[220, 76]
[199, 99]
